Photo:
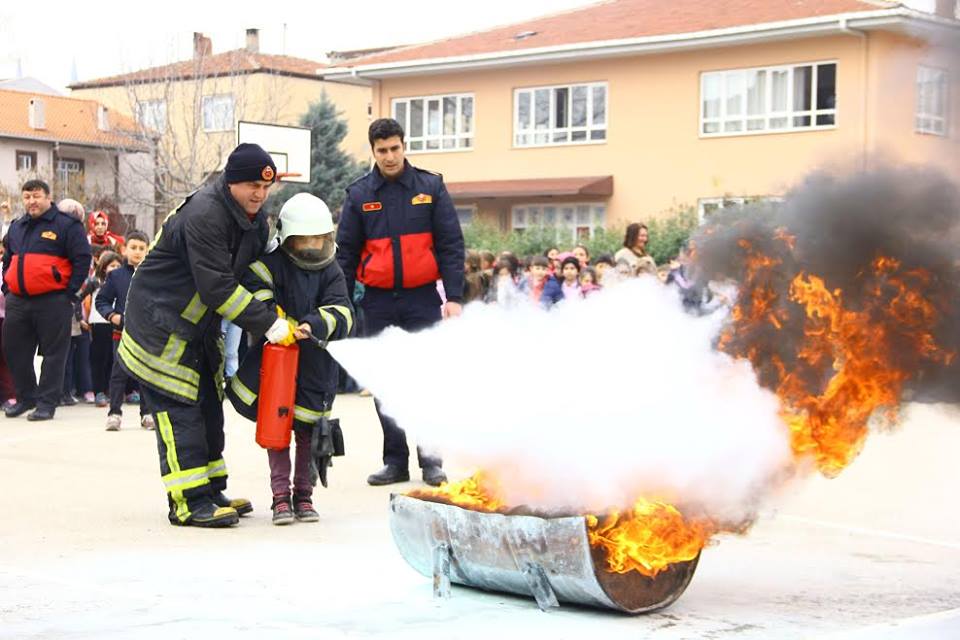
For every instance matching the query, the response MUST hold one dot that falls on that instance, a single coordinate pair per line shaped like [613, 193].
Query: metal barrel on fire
[549, 558]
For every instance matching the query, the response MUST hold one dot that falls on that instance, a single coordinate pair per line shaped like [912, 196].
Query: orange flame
[479, 492]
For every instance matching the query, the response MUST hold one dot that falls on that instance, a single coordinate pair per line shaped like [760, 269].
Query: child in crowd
[488, 262]
[101, 332]
[588, 281]
[111, 303]
[7, 392]
[302, 278]
[601, 264]
[570, 284]
[541, 287]
[581, 253]
[476, 282]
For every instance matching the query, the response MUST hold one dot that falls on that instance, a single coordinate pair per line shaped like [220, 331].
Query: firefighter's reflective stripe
[217, 469]
[248, 397]
[308, 415]
[235, 304]
[262, 272]
[345, 312]
[263, 295]
[329, 320]
[195, 310]
[163, 372]
[178, 480]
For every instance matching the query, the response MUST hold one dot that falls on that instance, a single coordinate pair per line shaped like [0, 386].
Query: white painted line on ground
[872, 532]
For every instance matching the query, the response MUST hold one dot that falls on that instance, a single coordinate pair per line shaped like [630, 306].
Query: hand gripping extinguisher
[278, 393]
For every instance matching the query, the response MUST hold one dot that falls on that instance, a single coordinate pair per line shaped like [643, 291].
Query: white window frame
[928, 121]
[768, 114]
[152, 114]
[725, 202]
[462, 140]
[567, 231]
[213, 126]
[469, 209]
[551, 132]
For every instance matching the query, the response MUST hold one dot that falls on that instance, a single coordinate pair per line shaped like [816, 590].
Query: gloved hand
[281, 332]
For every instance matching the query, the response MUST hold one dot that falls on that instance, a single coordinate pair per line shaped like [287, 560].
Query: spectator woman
[634, 251]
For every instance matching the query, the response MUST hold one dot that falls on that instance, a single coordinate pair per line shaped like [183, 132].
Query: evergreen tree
[331, 168]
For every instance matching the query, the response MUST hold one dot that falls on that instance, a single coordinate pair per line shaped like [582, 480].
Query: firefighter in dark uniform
[45, 261]
[171, 340]
[399, 234]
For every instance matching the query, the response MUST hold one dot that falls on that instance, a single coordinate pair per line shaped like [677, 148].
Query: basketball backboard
[288, 146]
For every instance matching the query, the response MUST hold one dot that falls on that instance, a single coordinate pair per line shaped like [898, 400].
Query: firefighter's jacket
[401, 234]
[188, 281]
[315, 297]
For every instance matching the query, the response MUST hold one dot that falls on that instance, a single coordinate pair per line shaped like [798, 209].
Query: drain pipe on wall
[864, 51]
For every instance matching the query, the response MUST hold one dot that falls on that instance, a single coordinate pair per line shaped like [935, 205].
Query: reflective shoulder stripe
[329, 320]
[343, 311]
[195, 310]
[262, 272]
[263, 295]
[308, 415]
[235, 304]
[248, 397]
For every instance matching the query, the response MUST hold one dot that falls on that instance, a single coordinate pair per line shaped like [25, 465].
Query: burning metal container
[549, 558]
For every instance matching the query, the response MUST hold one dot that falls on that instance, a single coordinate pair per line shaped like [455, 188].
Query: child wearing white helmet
[302, 279]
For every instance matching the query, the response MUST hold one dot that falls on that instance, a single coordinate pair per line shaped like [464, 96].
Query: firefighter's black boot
[242, 505]
[204, 513]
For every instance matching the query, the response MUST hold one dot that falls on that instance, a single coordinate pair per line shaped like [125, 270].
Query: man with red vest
[398, 235]
[46, 259]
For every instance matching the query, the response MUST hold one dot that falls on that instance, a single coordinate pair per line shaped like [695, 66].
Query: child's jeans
[280, 466]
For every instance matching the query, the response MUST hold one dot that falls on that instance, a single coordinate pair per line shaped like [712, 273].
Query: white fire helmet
[304, 215]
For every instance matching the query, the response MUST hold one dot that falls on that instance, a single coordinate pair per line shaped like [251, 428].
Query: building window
[465, 214]
[570, 114]
[26, 160]
[70, 178]
[218, 113]
[436, 123]
[708, 206]
[768, 99]
[932, 92]
[572, 221]
[152, 114]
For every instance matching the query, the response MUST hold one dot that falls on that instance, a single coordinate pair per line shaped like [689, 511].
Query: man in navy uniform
[398, 235]
[45, 261]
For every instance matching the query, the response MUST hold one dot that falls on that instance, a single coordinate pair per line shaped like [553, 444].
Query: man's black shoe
[241, 505]
[207, 514]
[67, 400]
[18, 409]
[388, 475]
[434, 475]
[40, 414]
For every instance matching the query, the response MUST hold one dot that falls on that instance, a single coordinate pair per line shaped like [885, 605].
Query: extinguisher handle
[315, 340]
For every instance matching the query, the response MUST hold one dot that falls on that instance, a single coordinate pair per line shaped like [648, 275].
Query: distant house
[192, 107]
[84, 150]
[621, 110]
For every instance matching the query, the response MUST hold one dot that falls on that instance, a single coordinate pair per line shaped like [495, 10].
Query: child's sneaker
[101, 399]
[89, 398]
[133, 398]
[282, 510]
[147, 423]
[113, 422]
[303, 509]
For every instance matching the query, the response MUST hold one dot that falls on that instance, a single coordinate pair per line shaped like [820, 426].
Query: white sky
[111, 36]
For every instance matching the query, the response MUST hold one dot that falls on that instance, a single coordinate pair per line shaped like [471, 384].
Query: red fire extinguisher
[278, 392]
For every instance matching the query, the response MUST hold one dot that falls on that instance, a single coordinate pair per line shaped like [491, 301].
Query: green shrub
[667, 235]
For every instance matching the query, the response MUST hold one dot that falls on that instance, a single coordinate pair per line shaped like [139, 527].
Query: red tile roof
[576, 186]
[236, 62]
[620, 19]
[67, 120]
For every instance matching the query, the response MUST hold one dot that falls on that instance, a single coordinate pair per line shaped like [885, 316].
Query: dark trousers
[101, 356]
[76, 377]
[411, 312]
[6, 382]
[190, 443]
[120, 381]
[42, 322]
